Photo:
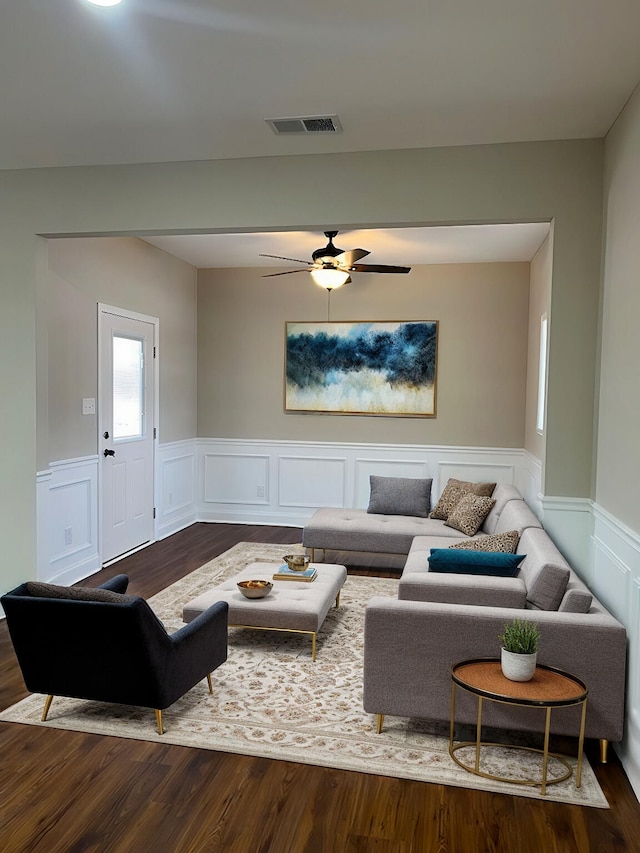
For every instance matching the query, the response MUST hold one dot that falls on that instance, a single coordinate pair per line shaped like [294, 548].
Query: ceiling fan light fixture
[104, 2]
[329, 277]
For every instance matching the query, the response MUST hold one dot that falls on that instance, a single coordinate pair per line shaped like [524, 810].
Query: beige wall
[129, 274]
[618, 465]
[539, 304]
[560, 181]
[482, 311]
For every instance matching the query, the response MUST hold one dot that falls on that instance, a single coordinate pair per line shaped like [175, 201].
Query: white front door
[126, 429]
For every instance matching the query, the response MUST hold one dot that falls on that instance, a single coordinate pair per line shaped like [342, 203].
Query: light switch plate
[88, 405]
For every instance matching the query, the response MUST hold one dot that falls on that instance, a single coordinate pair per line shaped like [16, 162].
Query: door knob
[108, 452]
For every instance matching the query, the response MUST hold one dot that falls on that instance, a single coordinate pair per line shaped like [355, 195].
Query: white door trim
[155, 322]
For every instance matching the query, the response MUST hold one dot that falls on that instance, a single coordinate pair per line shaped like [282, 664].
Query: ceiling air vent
[308, 124]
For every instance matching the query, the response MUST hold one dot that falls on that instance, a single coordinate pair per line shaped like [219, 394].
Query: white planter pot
[518, 667]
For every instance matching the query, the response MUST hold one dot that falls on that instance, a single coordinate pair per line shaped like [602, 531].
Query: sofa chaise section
[339, 529]
[359, 530]
[410, 647]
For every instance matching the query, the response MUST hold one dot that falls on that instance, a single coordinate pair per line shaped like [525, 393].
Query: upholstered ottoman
[297, 606]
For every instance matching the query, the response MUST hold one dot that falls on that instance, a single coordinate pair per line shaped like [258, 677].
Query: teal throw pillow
[466, 562]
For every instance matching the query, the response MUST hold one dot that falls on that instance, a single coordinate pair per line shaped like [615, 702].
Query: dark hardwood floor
[67, 792]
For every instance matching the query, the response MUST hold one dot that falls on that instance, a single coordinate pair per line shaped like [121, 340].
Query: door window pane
[128, 388]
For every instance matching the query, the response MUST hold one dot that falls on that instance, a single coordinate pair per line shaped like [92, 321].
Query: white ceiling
[171, 80]
[404, 246]
[177, 80]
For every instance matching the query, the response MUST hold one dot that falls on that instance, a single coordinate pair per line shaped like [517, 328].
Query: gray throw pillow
[400, 496]
[576, 601]
[75, 593]
[545, 584]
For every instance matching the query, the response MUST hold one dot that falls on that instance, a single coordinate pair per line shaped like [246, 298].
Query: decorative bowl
[297, 562]
[255, 588]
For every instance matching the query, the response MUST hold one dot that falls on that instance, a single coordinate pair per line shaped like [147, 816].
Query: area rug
[271, 700]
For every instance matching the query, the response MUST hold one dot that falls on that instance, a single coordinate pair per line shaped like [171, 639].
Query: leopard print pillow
[505, 542]
[454, 491]
[469, 514]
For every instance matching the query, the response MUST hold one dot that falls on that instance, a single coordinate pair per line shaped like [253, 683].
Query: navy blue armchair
[98, 643]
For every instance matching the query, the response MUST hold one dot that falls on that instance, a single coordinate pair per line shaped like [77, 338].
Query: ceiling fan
[330, 267]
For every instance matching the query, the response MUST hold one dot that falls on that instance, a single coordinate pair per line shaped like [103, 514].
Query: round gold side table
[549, 688]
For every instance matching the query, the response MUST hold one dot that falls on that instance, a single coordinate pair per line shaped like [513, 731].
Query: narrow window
[542, 374]
[128, 388]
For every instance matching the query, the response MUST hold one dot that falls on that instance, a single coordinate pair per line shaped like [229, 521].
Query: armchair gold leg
[159, 721]
[209, 682]
[379, 722]
[47, 705]
[604, 750]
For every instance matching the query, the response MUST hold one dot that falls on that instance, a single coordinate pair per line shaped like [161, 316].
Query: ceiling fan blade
[349, 258]
[378, 268]
[280, 258]
[286, 272]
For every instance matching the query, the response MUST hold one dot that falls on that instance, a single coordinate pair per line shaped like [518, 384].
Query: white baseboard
[270, 518]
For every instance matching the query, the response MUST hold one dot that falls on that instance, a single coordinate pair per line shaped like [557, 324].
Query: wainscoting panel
[246, 481]
[630, 751]
[529, 481]
[249, 482]
[235, 475]
[68, 538]
[476, 472]
[230, 478]
[569, 522]
[176, 486]
[616, 582]
[312, 481]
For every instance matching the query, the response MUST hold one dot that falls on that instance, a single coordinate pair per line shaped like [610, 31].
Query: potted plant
[519, 649]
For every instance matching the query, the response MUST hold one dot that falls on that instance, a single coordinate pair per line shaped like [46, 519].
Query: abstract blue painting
[342, 368]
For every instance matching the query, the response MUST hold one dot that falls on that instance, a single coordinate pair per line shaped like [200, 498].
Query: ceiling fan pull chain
[328, 306]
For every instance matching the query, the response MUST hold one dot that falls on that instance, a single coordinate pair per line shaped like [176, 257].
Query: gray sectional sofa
[439, 619]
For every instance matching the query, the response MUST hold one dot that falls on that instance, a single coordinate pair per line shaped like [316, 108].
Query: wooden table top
[548, 686]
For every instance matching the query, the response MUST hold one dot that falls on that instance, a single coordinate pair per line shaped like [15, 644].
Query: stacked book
[284, 573]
